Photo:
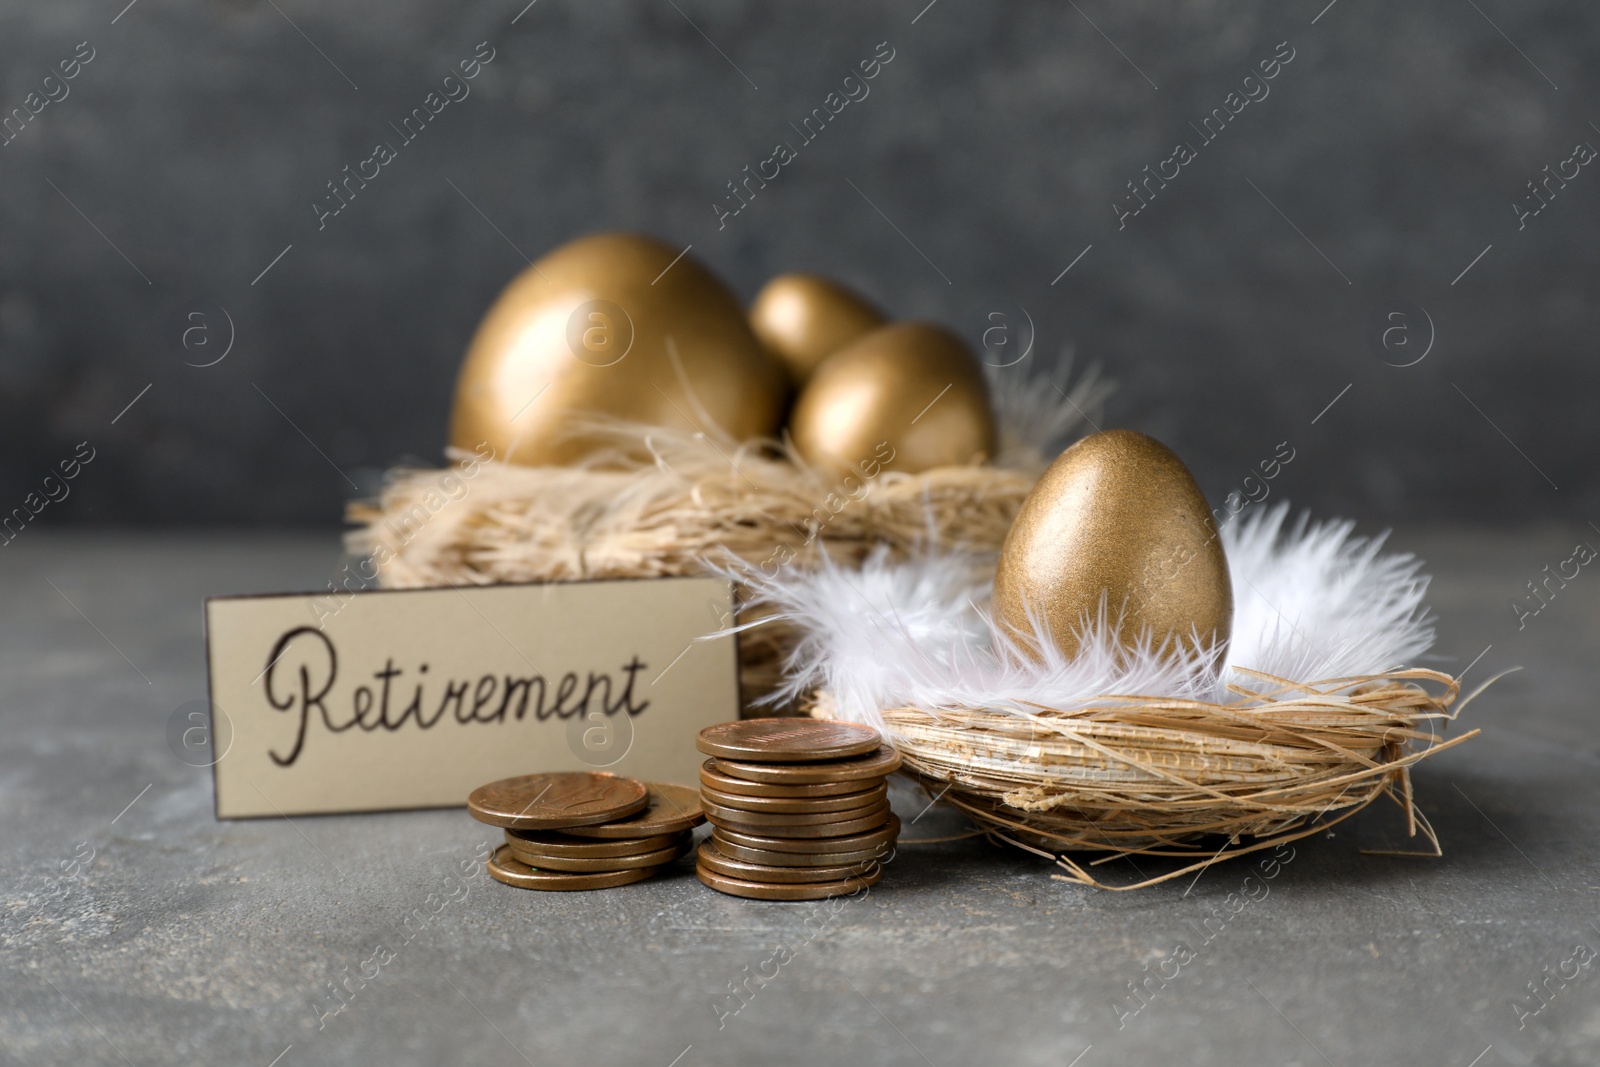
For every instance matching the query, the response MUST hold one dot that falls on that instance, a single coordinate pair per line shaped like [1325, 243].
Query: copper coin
[711, 778]
[712, 859]
[552, 843]
[671, 808]
[867, 823]
[657, 858]
[557, 801]
[504, 867]
[843, 802]
[874, 765]
[738, 887]
[771, 843]
[787, 740]
[879, 853]
[789, 819]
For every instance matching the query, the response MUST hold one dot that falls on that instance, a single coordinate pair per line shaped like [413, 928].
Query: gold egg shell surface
[1116, 515]
[584, 332]
[805, 318]
[910, 396]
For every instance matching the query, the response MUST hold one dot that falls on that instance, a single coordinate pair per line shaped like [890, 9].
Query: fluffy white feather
[1038, 417]
[1312, 602]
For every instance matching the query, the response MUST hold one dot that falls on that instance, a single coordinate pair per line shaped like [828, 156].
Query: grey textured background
[1396, 141]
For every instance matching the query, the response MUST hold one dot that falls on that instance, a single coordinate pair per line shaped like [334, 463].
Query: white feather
[1036, 416]
[1312, 602]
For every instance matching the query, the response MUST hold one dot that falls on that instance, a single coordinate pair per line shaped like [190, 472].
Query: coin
[853, 843]
[874, 765]
[842, 802]
[552, 843]
[711, 858]
[557, 801]
[656, 858]
[504, 867]
[785, 820]
[738, 887]
[711, 778]
[671, 808]
[787, 740]
[862, 825]
[879, 853]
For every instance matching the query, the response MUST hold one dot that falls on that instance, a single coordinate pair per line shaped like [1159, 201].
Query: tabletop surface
[136, 928]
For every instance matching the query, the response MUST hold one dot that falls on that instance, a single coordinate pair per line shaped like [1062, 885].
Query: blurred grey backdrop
[1378, 176]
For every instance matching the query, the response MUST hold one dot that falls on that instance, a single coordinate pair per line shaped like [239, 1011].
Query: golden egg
[591, 329]
[910, 396]
[1117, 516]
[805, 318]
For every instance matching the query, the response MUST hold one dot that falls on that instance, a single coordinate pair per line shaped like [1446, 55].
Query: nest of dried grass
[1136, 776]
[663, 501]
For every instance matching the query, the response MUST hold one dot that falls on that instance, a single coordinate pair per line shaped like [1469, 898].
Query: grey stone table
[135, 928]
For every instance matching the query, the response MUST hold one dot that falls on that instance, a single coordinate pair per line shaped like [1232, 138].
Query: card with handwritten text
[397, 699]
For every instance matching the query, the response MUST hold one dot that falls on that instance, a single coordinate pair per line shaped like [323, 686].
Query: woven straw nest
[1217, 758]
[664, 501]
[1155, 777]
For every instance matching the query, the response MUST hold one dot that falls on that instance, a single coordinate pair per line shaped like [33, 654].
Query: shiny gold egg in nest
[911, 388]
[1117, 518]
[612, 326]
[805, 318]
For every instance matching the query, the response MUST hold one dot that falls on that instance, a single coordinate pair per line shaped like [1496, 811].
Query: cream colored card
[413, 698]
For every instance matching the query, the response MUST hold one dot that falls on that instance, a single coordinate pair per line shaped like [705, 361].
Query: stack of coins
[585, 830]
[799, 808]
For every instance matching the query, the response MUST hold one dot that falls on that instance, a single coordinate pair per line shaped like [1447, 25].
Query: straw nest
[1217, 758]
[1155, 777]
[662, 501]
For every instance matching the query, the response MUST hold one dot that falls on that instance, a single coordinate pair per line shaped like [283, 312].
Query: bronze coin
[557, 801]
[865, 824]
[712, 859]
[504, 867]
[711, 778]
[553, 843]
[779, 843]
[656, 858]
[738, 887]
[787, 740]
[671, 808]
[879, 853]
[876, 764]
[843, 802]
[788, 819]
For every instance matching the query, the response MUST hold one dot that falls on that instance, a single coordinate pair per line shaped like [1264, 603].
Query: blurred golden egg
[1117, 516]
[910, 396]
[585, 331]
[805, 318]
